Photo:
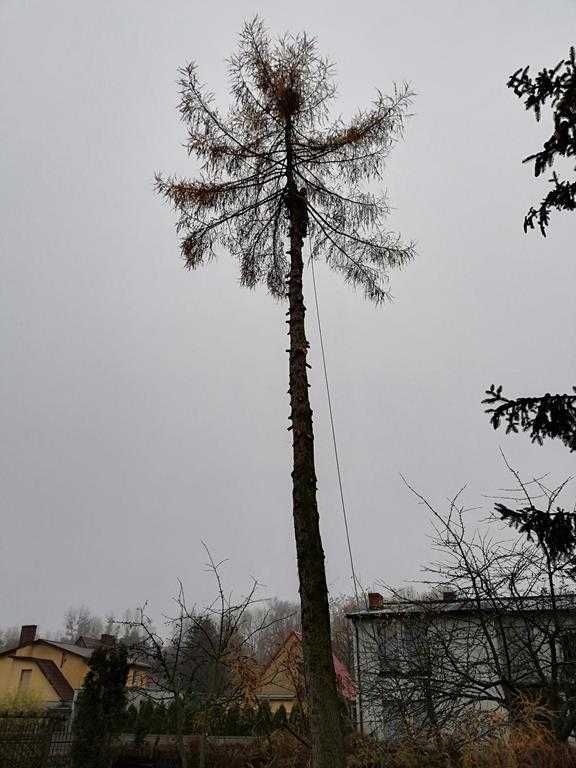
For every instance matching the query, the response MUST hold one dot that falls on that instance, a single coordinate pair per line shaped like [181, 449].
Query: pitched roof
[89, 642]
[84, 652]
[346, 686]
[78, 650]
[52, 674]
[104, 641]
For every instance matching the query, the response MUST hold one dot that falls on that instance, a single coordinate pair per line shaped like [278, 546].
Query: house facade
[52, 672]
[424, 664]
[281, 682]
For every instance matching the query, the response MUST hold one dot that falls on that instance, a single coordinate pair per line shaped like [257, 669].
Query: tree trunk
[202, 750]
[180, 744]
[325, 712]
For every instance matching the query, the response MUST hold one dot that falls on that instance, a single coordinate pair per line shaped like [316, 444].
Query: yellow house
[53, 672]
[282, 679]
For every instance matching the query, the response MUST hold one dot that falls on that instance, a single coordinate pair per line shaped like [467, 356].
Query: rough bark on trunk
[324, 706]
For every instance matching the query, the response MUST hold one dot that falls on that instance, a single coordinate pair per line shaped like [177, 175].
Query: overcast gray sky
[144, 408]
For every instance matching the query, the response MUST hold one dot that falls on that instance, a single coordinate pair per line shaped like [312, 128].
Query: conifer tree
[263, 720]
[554, 88]
[100, 709]
[296, 719]
[131, 719]
[144, 721]
[161, 719]
[280, 718]
[248, 720]
[548, 416]
[233, 721]
[275, 170]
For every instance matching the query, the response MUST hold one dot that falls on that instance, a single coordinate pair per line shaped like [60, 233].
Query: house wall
[277, 688]
[276, 703]
[370, 639]
[74, 668]
[279, 682]
[38, 688]
[379, 641]
[520, 651]
[137, 678]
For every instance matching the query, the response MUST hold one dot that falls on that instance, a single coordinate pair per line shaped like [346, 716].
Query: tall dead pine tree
[274, 170]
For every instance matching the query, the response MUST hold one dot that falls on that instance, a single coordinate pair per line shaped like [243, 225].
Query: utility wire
[333, 428]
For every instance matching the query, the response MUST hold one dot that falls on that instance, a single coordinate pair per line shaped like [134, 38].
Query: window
[568, 645]
[568, 641]
[387, 639]
[523, 652]
[24, 683]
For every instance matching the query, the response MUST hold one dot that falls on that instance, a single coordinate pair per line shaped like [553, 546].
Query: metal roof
[69, 647]
[566, 602]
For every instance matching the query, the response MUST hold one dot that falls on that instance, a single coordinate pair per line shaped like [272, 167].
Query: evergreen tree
[296, 719]
[100, 708]
[159, 721]
[276, 170]
[233, 721]
[248, 719]
[217, 720]
[263, 720]
[144, 721]
[280, 718]
[131, 718]
[556, 87]
[190, 708]
[548, 416]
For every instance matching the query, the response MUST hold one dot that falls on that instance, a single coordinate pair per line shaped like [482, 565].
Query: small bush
[21, 703]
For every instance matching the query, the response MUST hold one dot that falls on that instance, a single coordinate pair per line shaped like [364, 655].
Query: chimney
[375, 601]
[28, 634]
[107, 640]
[449, 597]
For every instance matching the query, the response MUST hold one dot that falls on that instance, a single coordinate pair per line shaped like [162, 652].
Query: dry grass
[528, 746]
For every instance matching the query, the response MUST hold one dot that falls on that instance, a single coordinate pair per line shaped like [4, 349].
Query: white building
[423, 664]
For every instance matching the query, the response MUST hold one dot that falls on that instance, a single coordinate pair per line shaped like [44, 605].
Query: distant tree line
[280, 617]
[79, 621]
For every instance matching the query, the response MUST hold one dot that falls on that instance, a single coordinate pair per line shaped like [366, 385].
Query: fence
[60, 745]
[25, 742]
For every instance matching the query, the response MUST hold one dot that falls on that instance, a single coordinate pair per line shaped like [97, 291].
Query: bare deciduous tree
[274, 619]
[81, 621]
[503, 636]
[276, 168]
[203, 659]
[9, 637]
